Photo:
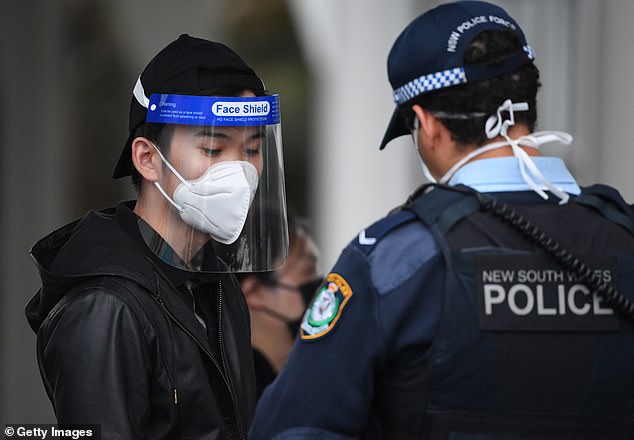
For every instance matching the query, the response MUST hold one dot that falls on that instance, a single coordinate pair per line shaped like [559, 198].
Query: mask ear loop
[178, 176]
[478, 151]
[422, 163]
[497, 125]
[169, 165]
[534, 140]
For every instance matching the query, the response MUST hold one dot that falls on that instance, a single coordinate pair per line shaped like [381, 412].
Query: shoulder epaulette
[427, 204]
[373, 234]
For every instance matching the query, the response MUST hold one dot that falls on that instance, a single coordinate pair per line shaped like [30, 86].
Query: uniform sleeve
[94, 362]
[338, 371]
[325, 389]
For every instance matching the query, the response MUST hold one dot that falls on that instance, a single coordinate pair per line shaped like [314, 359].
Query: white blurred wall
[352, 182]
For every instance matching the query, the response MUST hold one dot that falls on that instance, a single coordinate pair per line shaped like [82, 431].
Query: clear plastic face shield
[222, 184]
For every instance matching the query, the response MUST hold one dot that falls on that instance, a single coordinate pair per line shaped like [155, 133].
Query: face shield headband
[225, 153]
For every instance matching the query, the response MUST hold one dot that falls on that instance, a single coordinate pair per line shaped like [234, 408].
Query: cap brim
[396, 128]
[124, 165]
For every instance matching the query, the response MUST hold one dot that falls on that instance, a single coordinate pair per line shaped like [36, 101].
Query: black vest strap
[442, 205]
[609, 203]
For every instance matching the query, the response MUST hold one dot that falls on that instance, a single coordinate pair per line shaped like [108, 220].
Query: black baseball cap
[187, 66]
[429, 54]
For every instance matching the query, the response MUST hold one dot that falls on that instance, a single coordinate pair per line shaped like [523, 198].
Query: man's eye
[211, 151]
[251, 152]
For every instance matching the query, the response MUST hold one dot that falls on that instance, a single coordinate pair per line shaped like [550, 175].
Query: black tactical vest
[524, 349]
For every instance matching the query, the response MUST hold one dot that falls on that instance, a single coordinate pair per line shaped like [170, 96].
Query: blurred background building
[67, 69]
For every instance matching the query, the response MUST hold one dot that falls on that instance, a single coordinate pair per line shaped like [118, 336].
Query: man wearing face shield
[494, 304]
[141, 324]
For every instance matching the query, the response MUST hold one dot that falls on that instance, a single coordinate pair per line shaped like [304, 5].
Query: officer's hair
[483, 96]
[161, 134]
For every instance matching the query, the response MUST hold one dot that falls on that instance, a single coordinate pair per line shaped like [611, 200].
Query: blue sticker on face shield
[213, 110]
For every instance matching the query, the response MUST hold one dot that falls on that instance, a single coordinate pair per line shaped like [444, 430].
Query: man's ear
[252, 290]
[145, 158]
[430, 126]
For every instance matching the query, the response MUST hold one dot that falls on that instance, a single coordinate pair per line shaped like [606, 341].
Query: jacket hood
[92, 246]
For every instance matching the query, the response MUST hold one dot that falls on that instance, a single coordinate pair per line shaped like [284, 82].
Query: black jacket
[118, 347]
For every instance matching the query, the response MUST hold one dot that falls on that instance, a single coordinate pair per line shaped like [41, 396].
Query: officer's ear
[431, 129]
[145, 158]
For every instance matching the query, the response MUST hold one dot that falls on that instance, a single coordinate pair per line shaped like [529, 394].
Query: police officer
[495, 303]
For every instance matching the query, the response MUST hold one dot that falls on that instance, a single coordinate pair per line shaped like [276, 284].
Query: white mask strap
[169, 166]
[534, 140]
[178, 176]
[169, 199]
[478, 151]
[422, 163]
[495, 126]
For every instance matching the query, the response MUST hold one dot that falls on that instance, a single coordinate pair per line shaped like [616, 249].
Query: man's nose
[233, 155]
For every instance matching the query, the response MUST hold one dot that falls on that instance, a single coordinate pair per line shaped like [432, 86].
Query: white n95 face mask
[217, 202]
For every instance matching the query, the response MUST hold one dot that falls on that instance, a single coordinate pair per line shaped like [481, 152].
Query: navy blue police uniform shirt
[382, 299]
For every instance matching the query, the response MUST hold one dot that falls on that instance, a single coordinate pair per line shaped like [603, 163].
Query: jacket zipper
[224, 360]
[209, 355]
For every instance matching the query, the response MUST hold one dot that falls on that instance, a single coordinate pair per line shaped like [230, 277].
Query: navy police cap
[429, 54]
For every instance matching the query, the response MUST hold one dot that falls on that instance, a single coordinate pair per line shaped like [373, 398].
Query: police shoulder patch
[326, 307]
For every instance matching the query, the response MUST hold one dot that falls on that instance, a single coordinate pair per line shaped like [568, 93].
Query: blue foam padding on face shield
[213, 110]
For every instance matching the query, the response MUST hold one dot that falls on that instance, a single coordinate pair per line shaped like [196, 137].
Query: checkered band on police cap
[427, 83]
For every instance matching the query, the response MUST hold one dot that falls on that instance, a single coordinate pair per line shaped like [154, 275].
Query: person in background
[495, 303]
[277, 300]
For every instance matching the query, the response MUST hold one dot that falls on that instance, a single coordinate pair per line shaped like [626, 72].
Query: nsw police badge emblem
[326, 308]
